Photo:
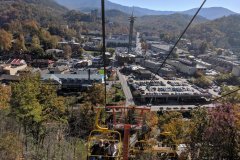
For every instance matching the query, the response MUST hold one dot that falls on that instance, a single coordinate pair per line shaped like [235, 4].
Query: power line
[223, 96]
[172, 49]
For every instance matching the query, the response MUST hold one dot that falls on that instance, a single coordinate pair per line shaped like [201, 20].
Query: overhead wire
[166, 58]
[223, 96]
[174, 46]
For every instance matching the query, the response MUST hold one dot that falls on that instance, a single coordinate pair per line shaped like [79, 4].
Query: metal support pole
[104, 48]
[126, 138]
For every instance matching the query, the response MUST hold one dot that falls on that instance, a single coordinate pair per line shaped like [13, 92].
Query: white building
[186, 69]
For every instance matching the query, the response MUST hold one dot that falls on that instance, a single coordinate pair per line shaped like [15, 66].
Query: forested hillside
[44, 12]
[171, 23]
[36, 25]
[222, 33]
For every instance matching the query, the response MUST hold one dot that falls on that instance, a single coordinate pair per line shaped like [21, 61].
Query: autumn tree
[47, 40]
[67, 51]
[34, 104]
[35, 42]
[214, 134]
[144, 46]
[228, 79]
[4, 96]
[166, 117]
[10, 146]
[19, 45]
[31, 26]
[202, 81]
[111, 50]
[174, 124]
[203, 47]
[222, 135]
[36, 48]
[197, 126]
[5, 40]
[96, 94]
[177, 129]
[82, 121]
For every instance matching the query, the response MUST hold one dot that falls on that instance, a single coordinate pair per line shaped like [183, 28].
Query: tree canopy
[5, 40]
[34, 104]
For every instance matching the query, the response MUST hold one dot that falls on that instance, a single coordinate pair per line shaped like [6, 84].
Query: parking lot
[163, 89]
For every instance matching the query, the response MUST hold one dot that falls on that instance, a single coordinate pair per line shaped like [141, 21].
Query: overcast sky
[180, 5]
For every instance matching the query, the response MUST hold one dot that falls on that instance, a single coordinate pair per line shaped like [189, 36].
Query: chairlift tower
[131, 19]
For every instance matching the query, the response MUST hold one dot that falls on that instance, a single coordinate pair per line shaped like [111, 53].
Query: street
[126, 89]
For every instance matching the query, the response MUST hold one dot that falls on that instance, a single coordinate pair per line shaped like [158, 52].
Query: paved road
[126, 89]
[177, 107]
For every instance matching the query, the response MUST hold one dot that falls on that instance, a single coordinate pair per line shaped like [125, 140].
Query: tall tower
[131, 19]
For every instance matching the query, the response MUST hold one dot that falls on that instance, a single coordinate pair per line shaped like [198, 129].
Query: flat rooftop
[168, 88]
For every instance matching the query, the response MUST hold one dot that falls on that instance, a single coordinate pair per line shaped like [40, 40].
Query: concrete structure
[61, 62]
[143, 74]
[74, 82]
[236, 70]
[7, 79]
[187, 67]
[97, 61]
[118, 40]
[168, 71]
[163, 91]
[42, 63]
[14, 66]
[82, 63]
[219, 63]
[151, 65]
[166, 48]
[58, 70]
[123, 58]
[56, 52]
[160, 48]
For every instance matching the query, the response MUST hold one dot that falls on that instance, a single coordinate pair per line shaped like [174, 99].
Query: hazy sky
[180, 5]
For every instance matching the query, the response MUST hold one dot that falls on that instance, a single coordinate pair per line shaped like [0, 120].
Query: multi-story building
[220, 63]
[187, 67]
[74, 82]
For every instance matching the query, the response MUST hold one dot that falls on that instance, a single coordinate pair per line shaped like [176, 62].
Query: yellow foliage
[5, 92]
[177, 129]
[5, 40]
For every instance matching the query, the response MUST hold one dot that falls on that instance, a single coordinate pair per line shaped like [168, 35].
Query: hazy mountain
[87, 5]
[211, 13]
[221, 33]
[173, 23]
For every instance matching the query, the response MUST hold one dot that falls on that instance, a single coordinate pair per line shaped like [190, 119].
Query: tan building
[15, 66]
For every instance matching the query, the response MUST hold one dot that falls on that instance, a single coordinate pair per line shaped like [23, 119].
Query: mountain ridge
[86, 5]
[211, 13]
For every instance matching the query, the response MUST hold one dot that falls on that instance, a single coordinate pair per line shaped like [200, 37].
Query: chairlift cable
[172, 49]
[223, 96]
